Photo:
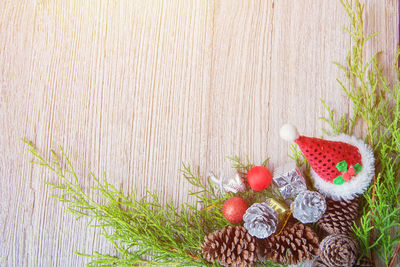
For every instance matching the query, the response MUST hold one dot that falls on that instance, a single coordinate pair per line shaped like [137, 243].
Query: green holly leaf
[357, 167]
[342, 166]
[338, 180]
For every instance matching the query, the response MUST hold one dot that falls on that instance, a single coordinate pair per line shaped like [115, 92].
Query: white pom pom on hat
[289, 132]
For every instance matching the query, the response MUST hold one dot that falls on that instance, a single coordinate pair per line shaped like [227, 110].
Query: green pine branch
[242, 166]
[143, 231]
[377, 105]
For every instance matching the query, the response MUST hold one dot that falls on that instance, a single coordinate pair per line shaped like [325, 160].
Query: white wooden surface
[134, 88]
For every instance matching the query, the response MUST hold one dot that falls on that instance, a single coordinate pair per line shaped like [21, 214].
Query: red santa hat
[342, 166]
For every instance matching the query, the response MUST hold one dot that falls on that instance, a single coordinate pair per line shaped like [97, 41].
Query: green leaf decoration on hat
[342, 166]
[358, 168]
[338, 180]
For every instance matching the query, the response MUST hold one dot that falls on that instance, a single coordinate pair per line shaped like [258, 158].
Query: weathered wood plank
[134, 88]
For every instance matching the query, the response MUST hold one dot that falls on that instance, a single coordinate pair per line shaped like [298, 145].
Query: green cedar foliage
[143, 231]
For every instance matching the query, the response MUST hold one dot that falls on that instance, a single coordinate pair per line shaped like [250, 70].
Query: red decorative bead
[234, 209]
[259, 178]
[351, 171]
[346, 176]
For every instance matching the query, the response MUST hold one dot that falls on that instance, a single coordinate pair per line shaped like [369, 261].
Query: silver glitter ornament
[260, 220]
[308, 207]
[289, 180]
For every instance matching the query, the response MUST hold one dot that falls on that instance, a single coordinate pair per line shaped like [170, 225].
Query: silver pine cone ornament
[260, 220]
[231, 246]
[339, 216]
[338, 250]
[309, 206]
[295, 244]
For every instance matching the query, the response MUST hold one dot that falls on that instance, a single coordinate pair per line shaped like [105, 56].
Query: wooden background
[134, 88]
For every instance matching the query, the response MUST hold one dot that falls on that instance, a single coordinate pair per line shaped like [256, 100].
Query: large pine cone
[231, 246]
[296, 243]
[338, 250]
[339, 216]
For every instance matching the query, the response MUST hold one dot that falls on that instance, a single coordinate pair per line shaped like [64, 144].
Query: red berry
[234, 209]
[351, 171]
[346, 176]
[259, 178]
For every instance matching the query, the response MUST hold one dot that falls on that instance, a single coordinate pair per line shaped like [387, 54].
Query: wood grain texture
[133, 88]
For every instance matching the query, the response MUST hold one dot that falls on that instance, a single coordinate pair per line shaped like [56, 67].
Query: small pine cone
[338, 250]
[339, 216]
[295, 244]
[364, 262]
[260, 220]
[231, 246]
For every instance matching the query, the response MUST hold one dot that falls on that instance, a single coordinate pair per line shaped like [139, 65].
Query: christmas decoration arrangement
[335, 202]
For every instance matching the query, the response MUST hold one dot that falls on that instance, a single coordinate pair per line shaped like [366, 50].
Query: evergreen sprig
[143, 231]
[377, 104]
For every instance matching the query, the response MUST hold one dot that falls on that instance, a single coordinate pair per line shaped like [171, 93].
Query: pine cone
[231, 246]
[338, 250]
[339, 216]
[309, 206]
[296, 243]
[364, 262]
[260, 220]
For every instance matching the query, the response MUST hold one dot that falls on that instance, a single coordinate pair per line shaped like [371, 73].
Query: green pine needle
[242, 166]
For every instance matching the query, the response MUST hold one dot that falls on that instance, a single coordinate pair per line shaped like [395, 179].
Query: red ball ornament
[259, 178]
[234, 209]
